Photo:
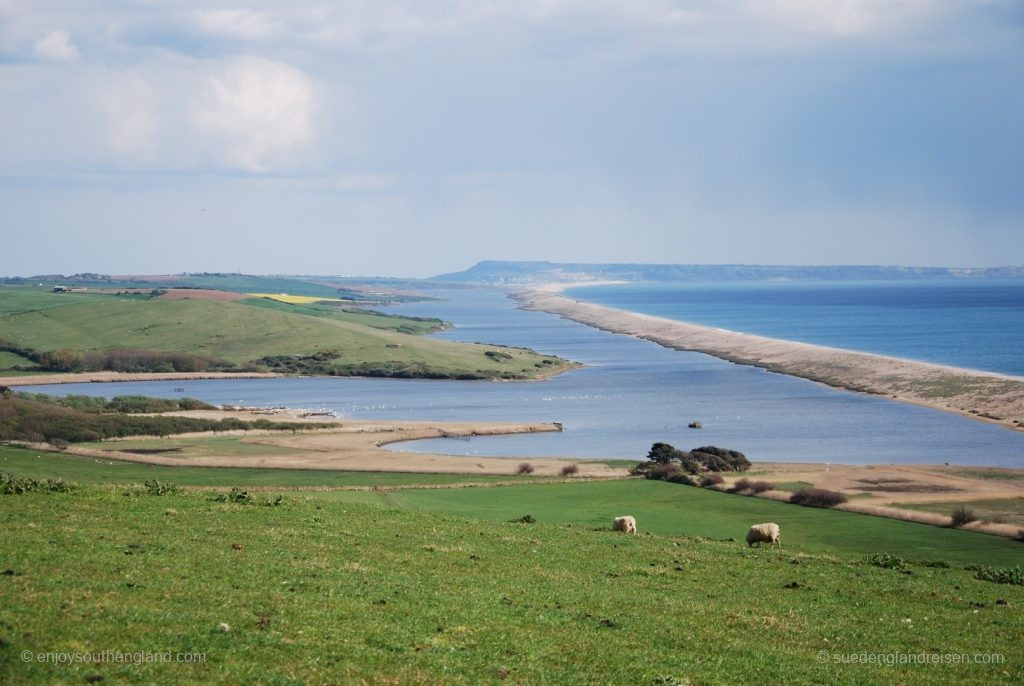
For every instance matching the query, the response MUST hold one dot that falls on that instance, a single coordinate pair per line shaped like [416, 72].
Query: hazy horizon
[178, 272]
[403, 139]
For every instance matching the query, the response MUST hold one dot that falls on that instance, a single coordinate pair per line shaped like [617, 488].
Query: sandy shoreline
[107, 377]
[348, 445]
[985, 396]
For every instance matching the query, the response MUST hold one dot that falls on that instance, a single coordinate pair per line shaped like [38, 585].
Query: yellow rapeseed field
[295, 299]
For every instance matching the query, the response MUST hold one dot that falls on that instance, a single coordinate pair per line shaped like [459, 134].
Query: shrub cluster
[17, 485]
[136, 360]
[236, 495]
[317, 364]
[745, 485]
[117, 360]
[672, 473]
[414, 370]
[886, 561]
[709, 480]
[570, 470]
[662, 457]
[1011, 575]
[128, 404]
[961, 517]
[525, 468]
[154, 487]
[241, 497]
[30, 420]
[817, 497]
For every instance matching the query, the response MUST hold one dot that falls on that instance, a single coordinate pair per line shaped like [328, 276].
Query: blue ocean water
[977, 324]
[630, 394]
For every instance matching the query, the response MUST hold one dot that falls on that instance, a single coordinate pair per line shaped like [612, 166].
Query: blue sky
[410, 138]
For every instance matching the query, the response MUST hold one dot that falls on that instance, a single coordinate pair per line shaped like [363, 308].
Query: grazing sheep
[626, 524]
[763, 533]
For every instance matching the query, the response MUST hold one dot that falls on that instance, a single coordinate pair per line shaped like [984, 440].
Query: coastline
[984, 396]
[348, 445]
[111, 377]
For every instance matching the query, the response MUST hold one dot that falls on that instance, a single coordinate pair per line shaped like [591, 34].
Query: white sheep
[626, 524]
[764, 533]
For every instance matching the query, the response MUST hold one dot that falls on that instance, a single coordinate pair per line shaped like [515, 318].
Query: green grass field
[367, 318]
[9, 359]
[240, 333]
[671, 509]
[332, 592]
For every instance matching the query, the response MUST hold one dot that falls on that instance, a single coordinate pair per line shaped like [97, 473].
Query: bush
[154, 487]
[16, 485]
[137, 360]
[29, 419]
[58, 443]
[60, 360]
[817, 497]
[525, 519]
[741, 485]
[706, 458]
[1012, 575]
[138, 404]
[761, 487]
[962, 516]
[721, 459]
[663, 453]
[237, 495]
[682, 478]
[886, 561]
[525, 468]
[710, 480]
[570, 470]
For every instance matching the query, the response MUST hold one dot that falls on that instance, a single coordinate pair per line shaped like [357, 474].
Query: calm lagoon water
[631, 394]
[977, 324]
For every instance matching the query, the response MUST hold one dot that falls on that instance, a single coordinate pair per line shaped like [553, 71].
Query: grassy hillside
[375, 320]
[315, 591]
[241, 334]
[672, 509]
[351, 289]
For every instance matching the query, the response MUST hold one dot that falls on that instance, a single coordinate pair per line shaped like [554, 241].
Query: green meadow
[315, 590]
[362, 343]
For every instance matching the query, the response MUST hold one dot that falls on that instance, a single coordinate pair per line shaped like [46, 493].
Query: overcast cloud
[412, 138]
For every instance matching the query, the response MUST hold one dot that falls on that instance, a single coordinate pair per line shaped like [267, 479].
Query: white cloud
[56, 46]
[252, 109]
[248, 113]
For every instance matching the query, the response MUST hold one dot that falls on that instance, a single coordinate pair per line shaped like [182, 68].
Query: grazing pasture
[308, 589]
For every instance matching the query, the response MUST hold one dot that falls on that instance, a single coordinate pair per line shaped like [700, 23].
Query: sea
[970, 323]
[629, 394]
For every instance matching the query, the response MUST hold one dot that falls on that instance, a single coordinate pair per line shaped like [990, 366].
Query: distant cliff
[494, 272]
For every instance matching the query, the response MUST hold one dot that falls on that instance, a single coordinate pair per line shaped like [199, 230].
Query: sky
[402, 138]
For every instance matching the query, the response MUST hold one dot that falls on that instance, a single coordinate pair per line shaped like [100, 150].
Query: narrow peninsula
[986, 396]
